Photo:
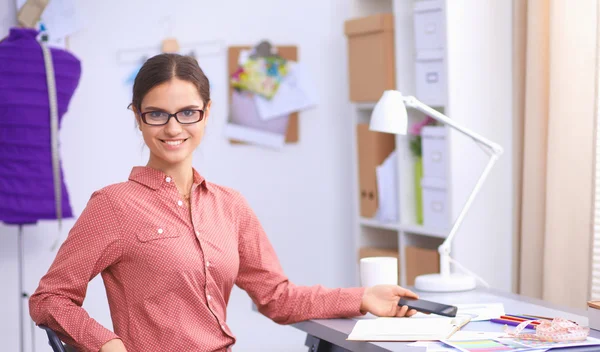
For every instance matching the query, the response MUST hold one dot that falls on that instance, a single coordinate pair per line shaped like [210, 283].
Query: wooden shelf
[379, 225]
[365, 106]
[425, 231]
[409, 228]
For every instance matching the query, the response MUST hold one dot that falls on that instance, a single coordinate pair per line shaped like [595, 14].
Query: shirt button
[168, 179]
[208, 297]
[180, 203]
[223, 326]
[197, 233]
[160, 231]
[207, 263]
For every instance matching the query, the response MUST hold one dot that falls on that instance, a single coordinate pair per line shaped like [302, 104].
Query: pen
[511, 323]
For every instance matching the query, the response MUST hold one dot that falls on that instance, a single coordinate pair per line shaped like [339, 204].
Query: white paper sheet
[61, 19]
[434, 346]
[254, 136]
[477, 312]
[296, 92]
[242, 111]
[481, 311]
[476, 335]
[405, 329]
[387, 189]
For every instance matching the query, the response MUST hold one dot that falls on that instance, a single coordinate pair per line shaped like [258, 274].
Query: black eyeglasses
[184, 117]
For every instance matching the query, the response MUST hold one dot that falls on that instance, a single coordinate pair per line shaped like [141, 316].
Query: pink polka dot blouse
[169, 270]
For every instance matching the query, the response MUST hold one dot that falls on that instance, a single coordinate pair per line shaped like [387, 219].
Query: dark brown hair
[162, 68]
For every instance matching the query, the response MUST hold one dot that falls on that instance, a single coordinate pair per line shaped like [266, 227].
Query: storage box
[371, 63]
[434, 148]
[430, 79]
[429, 25]
[435, 203]
[373, 149]
[420, 261]
[594, 314]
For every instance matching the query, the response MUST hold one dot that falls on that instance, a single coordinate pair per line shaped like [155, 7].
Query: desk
[329, 335]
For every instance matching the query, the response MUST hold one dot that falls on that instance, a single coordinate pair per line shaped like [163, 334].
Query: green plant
[415, 146]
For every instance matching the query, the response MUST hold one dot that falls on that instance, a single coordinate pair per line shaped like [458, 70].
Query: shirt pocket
[150, 233]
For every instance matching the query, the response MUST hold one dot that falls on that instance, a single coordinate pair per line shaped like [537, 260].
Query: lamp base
[448, 283]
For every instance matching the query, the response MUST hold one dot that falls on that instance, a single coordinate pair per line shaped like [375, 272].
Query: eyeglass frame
[143, 116]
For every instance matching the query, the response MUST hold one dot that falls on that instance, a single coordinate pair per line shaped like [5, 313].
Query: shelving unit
[473, 67]
[371, 232]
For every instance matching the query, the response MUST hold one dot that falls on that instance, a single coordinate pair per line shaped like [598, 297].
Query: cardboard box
[373, 148]
[420, 261]
[367, 252]
[370, 56]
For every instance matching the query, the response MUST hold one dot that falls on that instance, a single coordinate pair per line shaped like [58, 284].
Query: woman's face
[174, 142]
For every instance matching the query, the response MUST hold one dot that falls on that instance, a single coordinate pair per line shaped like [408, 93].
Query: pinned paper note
[296, 93]
[55, 21]
[254, 136]
[245, 124]
[243, 112]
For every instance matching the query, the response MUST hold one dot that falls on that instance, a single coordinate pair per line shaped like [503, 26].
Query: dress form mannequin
[26, 178]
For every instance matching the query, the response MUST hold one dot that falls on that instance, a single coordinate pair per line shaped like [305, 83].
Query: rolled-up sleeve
[261, 276]
[93, 245]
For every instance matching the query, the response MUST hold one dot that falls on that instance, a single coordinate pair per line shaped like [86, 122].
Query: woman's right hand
[114, 345]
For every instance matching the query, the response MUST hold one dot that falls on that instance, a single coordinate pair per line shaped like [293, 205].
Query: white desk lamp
[390, 116]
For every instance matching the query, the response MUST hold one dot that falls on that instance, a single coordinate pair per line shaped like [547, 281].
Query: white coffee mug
[378, 271]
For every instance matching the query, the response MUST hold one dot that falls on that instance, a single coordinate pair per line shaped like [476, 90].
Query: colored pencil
[539, 317]
[522, 317]
[510, 322]
[520, 320]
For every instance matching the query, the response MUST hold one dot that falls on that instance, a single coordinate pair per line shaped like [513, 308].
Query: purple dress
[26, 177]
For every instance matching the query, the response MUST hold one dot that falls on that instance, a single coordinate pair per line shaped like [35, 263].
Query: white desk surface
[337, 330]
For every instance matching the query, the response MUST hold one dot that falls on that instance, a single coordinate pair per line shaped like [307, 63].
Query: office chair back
[53, 340]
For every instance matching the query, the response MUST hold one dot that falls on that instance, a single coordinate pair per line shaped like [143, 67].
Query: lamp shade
[389, 114]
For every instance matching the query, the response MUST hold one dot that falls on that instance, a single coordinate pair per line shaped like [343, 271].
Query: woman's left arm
[260, 274]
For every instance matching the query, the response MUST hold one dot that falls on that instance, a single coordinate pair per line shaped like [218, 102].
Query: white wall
[480, 98]
[301, 194]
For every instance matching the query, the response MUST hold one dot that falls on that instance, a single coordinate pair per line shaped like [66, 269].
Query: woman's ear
[138, 118]
[207, 110]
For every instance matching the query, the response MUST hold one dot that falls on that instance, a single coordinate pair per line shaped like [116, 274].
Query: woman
[170, 245]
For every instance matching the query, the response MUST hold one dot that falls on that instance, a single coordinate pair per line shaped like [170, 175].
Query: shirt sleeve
[92, 245]
[261, 276]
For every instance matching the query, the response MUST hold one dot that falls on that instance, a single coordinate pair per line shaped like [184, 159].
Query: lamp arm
[414, 103]
[496, 151]
[445, 247]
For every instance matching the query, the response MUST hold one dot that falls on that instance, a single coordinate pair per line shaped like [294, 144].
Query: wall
[300, 194]
[480, 98]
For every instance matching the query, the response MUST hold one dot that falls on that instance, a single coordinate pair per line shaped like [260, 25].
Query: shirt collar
[154, 178]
